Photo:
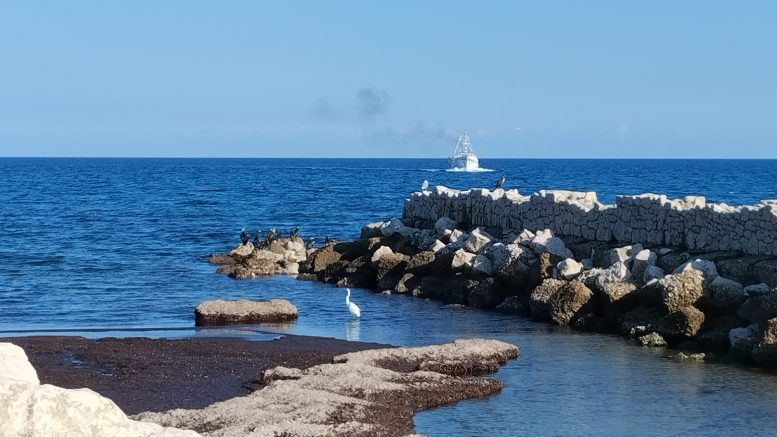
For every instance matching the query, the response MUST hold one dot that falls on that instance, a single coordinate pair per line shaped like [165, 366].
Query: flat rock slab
[244, 311]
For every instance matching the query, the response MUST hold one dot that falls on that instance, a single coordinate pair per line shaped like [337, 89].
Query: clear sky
[388, 79]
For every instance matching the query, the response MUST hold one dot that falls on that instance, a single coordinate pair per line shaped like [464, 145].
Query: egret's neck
[347, 296]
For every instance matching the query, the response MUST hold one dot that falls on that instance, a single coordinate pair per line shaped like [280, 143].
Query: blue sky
[624, 79]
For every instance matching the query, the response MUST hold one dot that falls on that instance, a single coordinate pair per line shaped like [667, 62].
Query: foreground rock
[29, 409]
[244, 312]
[369, 393]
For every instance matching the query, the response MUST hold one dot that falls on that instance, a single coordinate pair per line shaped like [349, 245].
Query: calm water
[108, 245]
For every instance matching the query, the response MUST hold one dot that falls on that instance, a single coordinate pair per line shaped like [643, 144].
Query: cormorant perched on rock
[257, 239]
[328, 240]
[243, 237]
[294, 233]
[311, 241]
[425, 185]
[272, 234]
[501, 182]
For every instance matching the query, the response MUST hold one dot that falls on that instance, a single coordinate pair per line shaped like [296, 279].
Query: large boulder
[681, 289]
[569, 268]
[230, 312]
[421, 262]
[477, 240]
[766, 271]
[512, 305]
[560, 301]
[617, 297]
[682, 322]
[484, 294]
[499, 255]
[652, 273]
[395, 226]
[380, 253]
[757, 289]
[706, 267]
[320, 259]
[765, 350]
[390, 269]
[725, 296]
[640, 321]
[742, 340]
[462, 260]
[641, 262]
[482, 266]
[623, 254]
[243, 250]
[597, 277]
[545, 242]
[32, 410]
[759, 309]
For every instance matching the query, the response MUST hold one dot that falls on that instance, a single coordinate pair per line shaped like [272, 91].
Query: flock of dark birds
[272, 233]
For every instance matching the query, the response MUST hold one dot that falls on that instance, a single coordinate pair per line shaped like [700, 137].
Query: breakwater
[690, 223]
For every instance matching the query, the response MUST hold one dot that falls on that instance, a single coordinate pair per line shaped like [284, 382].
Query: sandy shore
[141, 374]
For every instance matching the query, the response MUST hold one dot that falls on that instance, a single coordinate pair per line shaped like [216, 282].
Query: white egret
[352, 308]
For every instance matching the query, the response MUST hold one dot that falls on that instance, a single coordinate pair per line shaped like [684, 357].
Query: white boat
[463, 157]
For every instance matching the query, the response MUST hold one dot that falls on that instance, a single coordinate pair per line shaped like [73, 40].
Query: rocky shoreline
[302, 386]
[718, 303]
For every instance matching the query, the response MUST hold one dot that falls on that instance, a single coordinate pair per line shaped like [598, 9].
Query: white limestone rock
[545, 242]
[706, 267]
[437, 246]
[458, 236]
[14, 364]
[569, 268]
[641, 261]
[482, 265]
[524, 238]
[380, 253]
[477, 240]
[444, 224]
[462, 260]
[243, 249]
[623, 254]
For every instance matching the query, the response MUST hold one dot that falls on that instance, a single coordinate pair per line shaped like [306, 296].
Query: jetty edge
[681, 273]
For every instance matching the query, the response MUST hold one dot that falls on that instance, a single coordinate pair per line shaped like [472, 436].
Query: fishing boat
[463, 158]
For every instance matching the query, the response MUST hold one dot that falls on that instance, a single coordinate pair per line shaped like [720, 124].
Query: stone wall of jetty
[689, 223]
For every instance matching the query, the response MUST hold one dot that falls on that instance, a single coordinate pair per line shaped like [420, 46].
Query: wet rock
[682, 289]
[226, 312]
[513, 305]
[640, 321]
[482, 266]
[559, 301]
[462, 260]
[484, 294]
[477, 240]
[742, 341]
[617, 297]
[714, 333]
[653, 339]
[683, 322]
[407, 283]
[569, 268]
[683, 356]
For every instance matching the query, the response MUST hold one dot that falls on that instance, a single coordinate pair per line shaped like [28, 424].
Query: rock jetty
[368, 393]
[462, 248]
[281, 256]
[29, 409]
[243, 312]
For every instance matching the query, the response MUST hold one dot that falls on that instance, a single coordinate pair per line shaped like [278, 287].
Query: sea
[119, 247]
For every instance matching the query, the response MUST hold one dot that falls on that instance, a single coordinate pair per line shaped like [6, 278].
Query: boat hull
[466, 162]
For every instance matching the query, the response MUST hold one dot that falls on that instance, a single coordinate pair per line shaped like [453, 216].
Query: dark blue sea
[119, 247]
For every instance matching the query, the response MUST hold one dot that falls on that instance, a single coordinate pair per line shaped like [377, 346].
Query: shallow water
[107, 245]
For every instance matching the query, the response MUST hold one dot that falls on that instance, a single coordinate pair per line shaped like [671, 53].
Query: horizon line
[401, 158]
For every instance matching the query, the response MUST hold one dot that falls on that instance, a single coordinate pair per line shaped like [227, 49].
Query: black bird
[257, 239]
[327, 240]
[311, 241]
[501, 182]
[272, 234]
[243, 237]
[294, 233]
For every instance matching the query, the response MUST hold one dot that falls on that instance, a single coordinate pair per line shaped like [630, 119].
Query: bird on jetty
[294, 233]
[311, 241]
[272, 234]
[328, 240]
[501, 182]
[257, 238]
[243, 237]
[425, 185]
[352, 308]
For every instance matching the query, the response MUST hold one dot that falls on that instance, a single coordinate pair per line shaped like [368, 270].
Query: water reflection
[353, 330]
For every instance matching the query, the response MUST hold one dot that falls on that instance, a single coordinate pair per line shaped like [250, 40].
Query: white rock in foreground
[14, 364]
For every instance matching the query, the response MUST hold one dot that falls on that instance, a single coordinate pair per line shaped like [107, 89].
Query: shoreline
[142, 374]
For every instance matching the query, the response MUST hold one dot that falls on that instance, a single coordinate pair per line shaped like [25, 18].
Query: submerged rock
[230, 312]
[653, 339]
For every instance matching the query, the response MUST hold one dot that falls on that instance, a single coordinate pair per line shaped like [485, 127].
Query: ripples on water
[123, 243]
